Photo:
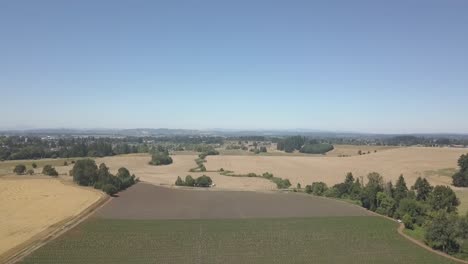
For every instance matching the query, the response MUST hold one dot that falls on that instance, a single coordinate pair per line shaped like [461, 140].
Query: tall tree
[423, 189]
[443, 198]
[401, 191]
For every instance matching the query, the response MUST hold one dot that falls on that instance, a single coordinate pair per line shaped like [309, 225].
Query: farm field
[146, 201]
[6, 167]
[31, 206]
[339, 150]
[167, 174]
[436, 164]
[143, 235]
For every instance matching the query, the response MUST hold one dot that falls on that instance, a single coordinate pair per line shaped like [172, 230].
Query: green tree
[417, 210]
[318, 188]
[19, 169]
[85, 172]
[408, 221]
[401, 191]
[203, 181]
[308, 189]
[423, 189]
[110, 189]
[179, 182]
[49, 170]
[385, 204]
[443, 233]
[369, 194]
[443, 198]
[189, 181]
[460, 178]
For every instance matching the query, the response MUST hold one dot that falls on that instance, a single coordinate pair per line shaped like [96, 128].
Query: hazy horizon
[365, 66]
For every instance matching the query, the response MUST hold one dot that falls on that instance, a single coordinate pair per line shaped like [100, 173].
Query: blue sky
[370, 66]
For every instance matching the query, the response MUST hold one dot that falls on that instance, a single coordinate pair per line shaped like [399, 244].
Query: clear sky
[370, 66]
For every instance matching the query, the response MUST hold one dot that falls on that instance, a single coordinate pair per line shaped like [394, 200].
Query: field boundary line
[19, 252]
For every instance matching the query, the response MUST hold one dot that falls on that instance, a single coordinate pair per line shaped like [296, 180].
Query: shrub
[319, 188]
[331, 192]
[189, 181]
[110, 189]
[49, 170]
[251, 175]
[308, 189]
[281, 183]
[65, 163]
[160, 158]
[203, 181]
[408, 221]
[179, 182]
[30, 172]
[34, 165]
[19, 169]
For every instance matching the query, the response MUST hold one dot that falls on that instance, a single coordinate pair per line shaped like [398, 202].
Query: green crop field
[358, 239]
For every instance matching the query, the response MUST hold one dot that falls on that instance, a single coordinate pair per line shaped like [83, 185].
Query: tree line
[18, 147]
[202, 181]
[432, 208]
[303, 145]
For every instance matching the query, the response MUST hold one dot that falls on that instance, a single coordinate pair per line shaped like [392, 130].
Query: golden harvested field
[434, 163]
[30, 206]
[352, 150]
[167, 174]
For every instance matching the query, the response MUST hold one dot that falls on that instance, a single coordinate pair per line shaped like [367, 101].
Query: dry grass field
[434, 163]
[339, 150]
[167, 174]
[32, 205]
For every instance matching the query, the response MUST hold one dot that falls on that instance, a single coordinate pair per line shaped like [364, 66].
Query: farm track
[17, 253]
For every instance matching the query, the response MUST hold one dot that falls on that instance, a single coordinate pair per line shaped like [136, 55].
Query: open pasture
[433, 163]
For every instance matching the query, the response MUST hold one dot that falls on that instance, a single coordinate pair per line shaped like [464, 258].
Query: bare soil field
[434, 163]
[32, 205]
[146, 201]
[167, 174]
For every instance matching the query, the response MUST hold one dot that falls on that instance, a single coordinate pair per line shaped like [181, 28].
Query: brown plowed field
[145, 201]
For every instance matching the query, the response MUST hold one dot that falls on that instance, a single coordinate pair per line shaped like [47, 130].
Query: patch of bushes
[202, 181]
[19, 169]
[86, 173]
[49, 170]
[319, 148]
[160, 158]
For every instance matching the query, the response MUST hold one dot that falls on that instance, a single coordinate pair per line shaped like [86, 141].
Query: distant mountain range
[158, 132]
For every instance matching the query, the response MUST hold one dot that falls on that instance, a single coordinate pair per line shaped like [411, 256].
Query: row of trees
[202, 181]
[85, 172]
[16, 148]
[303, 145]
[432, 208]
